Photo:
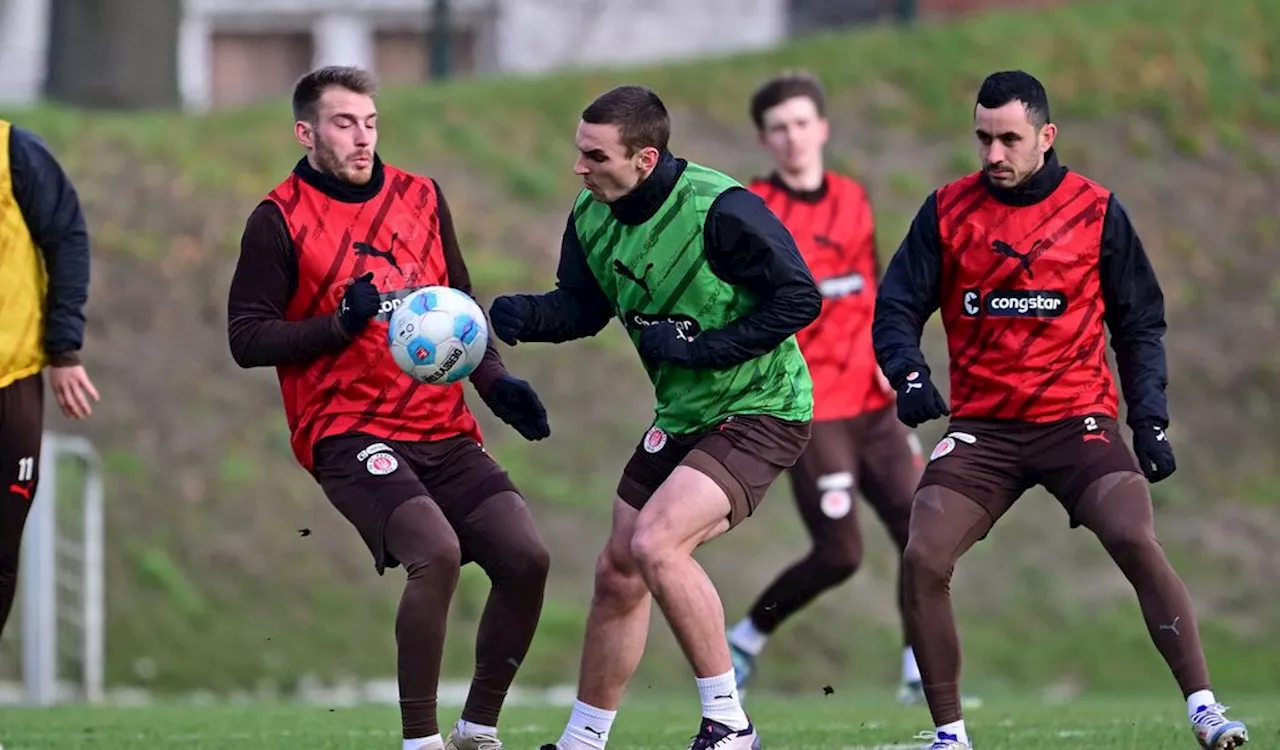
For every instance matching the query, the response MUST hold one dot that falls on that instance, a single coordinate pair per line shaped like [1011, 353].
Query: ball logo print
[438, 335]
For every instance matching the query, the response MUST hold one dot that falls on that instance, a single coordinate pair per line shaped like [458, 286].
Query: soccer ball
[438, 335]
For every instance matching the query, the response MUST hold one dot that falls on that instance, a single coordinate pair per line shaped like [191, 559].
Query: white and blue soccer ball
[438, 335]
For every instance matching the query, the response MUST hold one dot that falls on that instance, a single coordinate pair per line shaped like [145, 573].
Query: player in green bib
[712, 289]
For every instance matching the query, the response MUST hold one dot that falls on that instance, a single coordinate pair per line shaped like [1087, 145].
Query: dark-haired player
[711, 289]
[1028, 262]
[44, 284]
[323, 259]
[858, 444]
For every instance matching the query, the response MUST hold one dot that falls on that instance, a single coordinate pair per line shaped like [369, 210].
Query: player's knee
[618, 580]
[417, 536]
[837, 562]
[651, 550]
[1130, 545]
[426, 557]
[537, 560]
[924, 567]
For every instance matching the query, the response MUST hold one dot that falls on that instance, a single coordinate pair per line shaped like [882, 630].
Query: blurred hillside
[1174, 104]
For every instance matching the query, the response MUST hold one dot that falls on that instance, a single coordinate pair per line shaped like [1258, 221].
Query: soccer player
[858, 443]
[1027, 261]
[323, 261]
[711, 289]
[44, 285]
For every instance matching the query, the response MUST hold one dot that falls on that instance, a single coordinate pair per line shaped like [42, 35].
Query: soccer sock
[468, 729]
[746, 637]
[954, 729]
[910, 669]
[424, 743]
[720, 701]
[588, 728]
[1199, 699]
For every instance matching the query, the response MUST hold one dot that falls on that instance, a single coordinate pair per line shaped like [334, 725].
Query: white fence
[62, 579]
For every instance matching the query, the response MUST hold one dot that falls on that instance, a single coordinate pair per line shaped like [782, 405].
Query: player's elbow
[596, 324]
[244, 355]
[240, 338]
[808, 303]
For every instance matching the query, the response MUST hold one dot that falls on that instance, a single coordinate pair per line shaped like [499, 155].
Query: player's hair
[788, 85]
[640, 115]
[310, 87]
[1016, 86]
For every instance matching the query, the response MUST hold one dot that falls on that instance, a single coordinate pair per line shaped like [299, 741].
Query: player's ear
[1048, 134]
[824, 130]
[305, 134]
[648, 158]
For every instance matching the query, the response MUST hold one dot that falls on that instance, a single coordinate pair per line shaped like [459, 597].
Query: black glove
[665, 342]
[507, 315]
[918, 400]
[514, 401]
[359, 304]
[1155, 454]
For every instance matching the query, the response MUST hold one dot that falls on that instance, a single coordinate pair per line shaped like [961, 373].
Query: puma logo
[826, 241]
[22, 489]
[723, 697]
[365, 248]
[1096, 436]
[641, 281]
[1000, 247]
[596, 732]
[1173, 626]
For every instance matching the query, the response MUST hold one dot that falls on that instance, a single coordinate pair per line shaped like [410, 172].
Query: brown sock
[419, 536]
[937, 540]
[500, 534]
[1117, 508]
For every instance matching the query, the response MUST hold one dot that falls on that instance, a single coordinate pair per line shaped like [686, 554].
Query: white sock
[910, 670]
[422, 743]
[467, 729]
[588, 728]
[1197, 699]
[955, 728]
[746, 637]
[720, 701]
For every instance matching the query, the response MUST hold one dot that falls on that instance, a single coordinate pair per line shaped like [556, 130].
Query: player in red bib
[323, 261]
[859, 446]
[1028, 262]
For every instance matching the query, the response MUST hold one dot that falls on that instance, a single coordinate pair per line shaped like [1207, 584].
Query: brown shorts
[21, 432]
[367, 478]
[743, 454]
[874, 455]
[993, 461]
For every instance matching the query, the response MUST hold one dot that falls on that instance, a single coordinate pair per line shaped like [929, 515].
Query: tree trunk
[114, 54]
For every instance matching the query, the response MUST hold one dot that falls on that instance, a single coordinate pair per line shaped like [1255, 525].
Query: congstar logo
[688, 327]
[1014, 303]
[389, 302]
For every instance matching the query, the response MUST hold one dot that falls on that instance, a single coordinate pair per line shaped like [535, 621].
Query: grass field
[1174, 104]
[849, 722]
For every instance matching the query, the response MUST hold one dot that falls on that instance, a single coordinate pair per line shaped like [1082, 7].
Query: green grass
[838, 722]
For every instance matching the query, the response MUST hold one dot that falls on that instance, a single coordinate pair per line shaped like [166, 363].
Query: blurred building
[235, 51]
[232, 52]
